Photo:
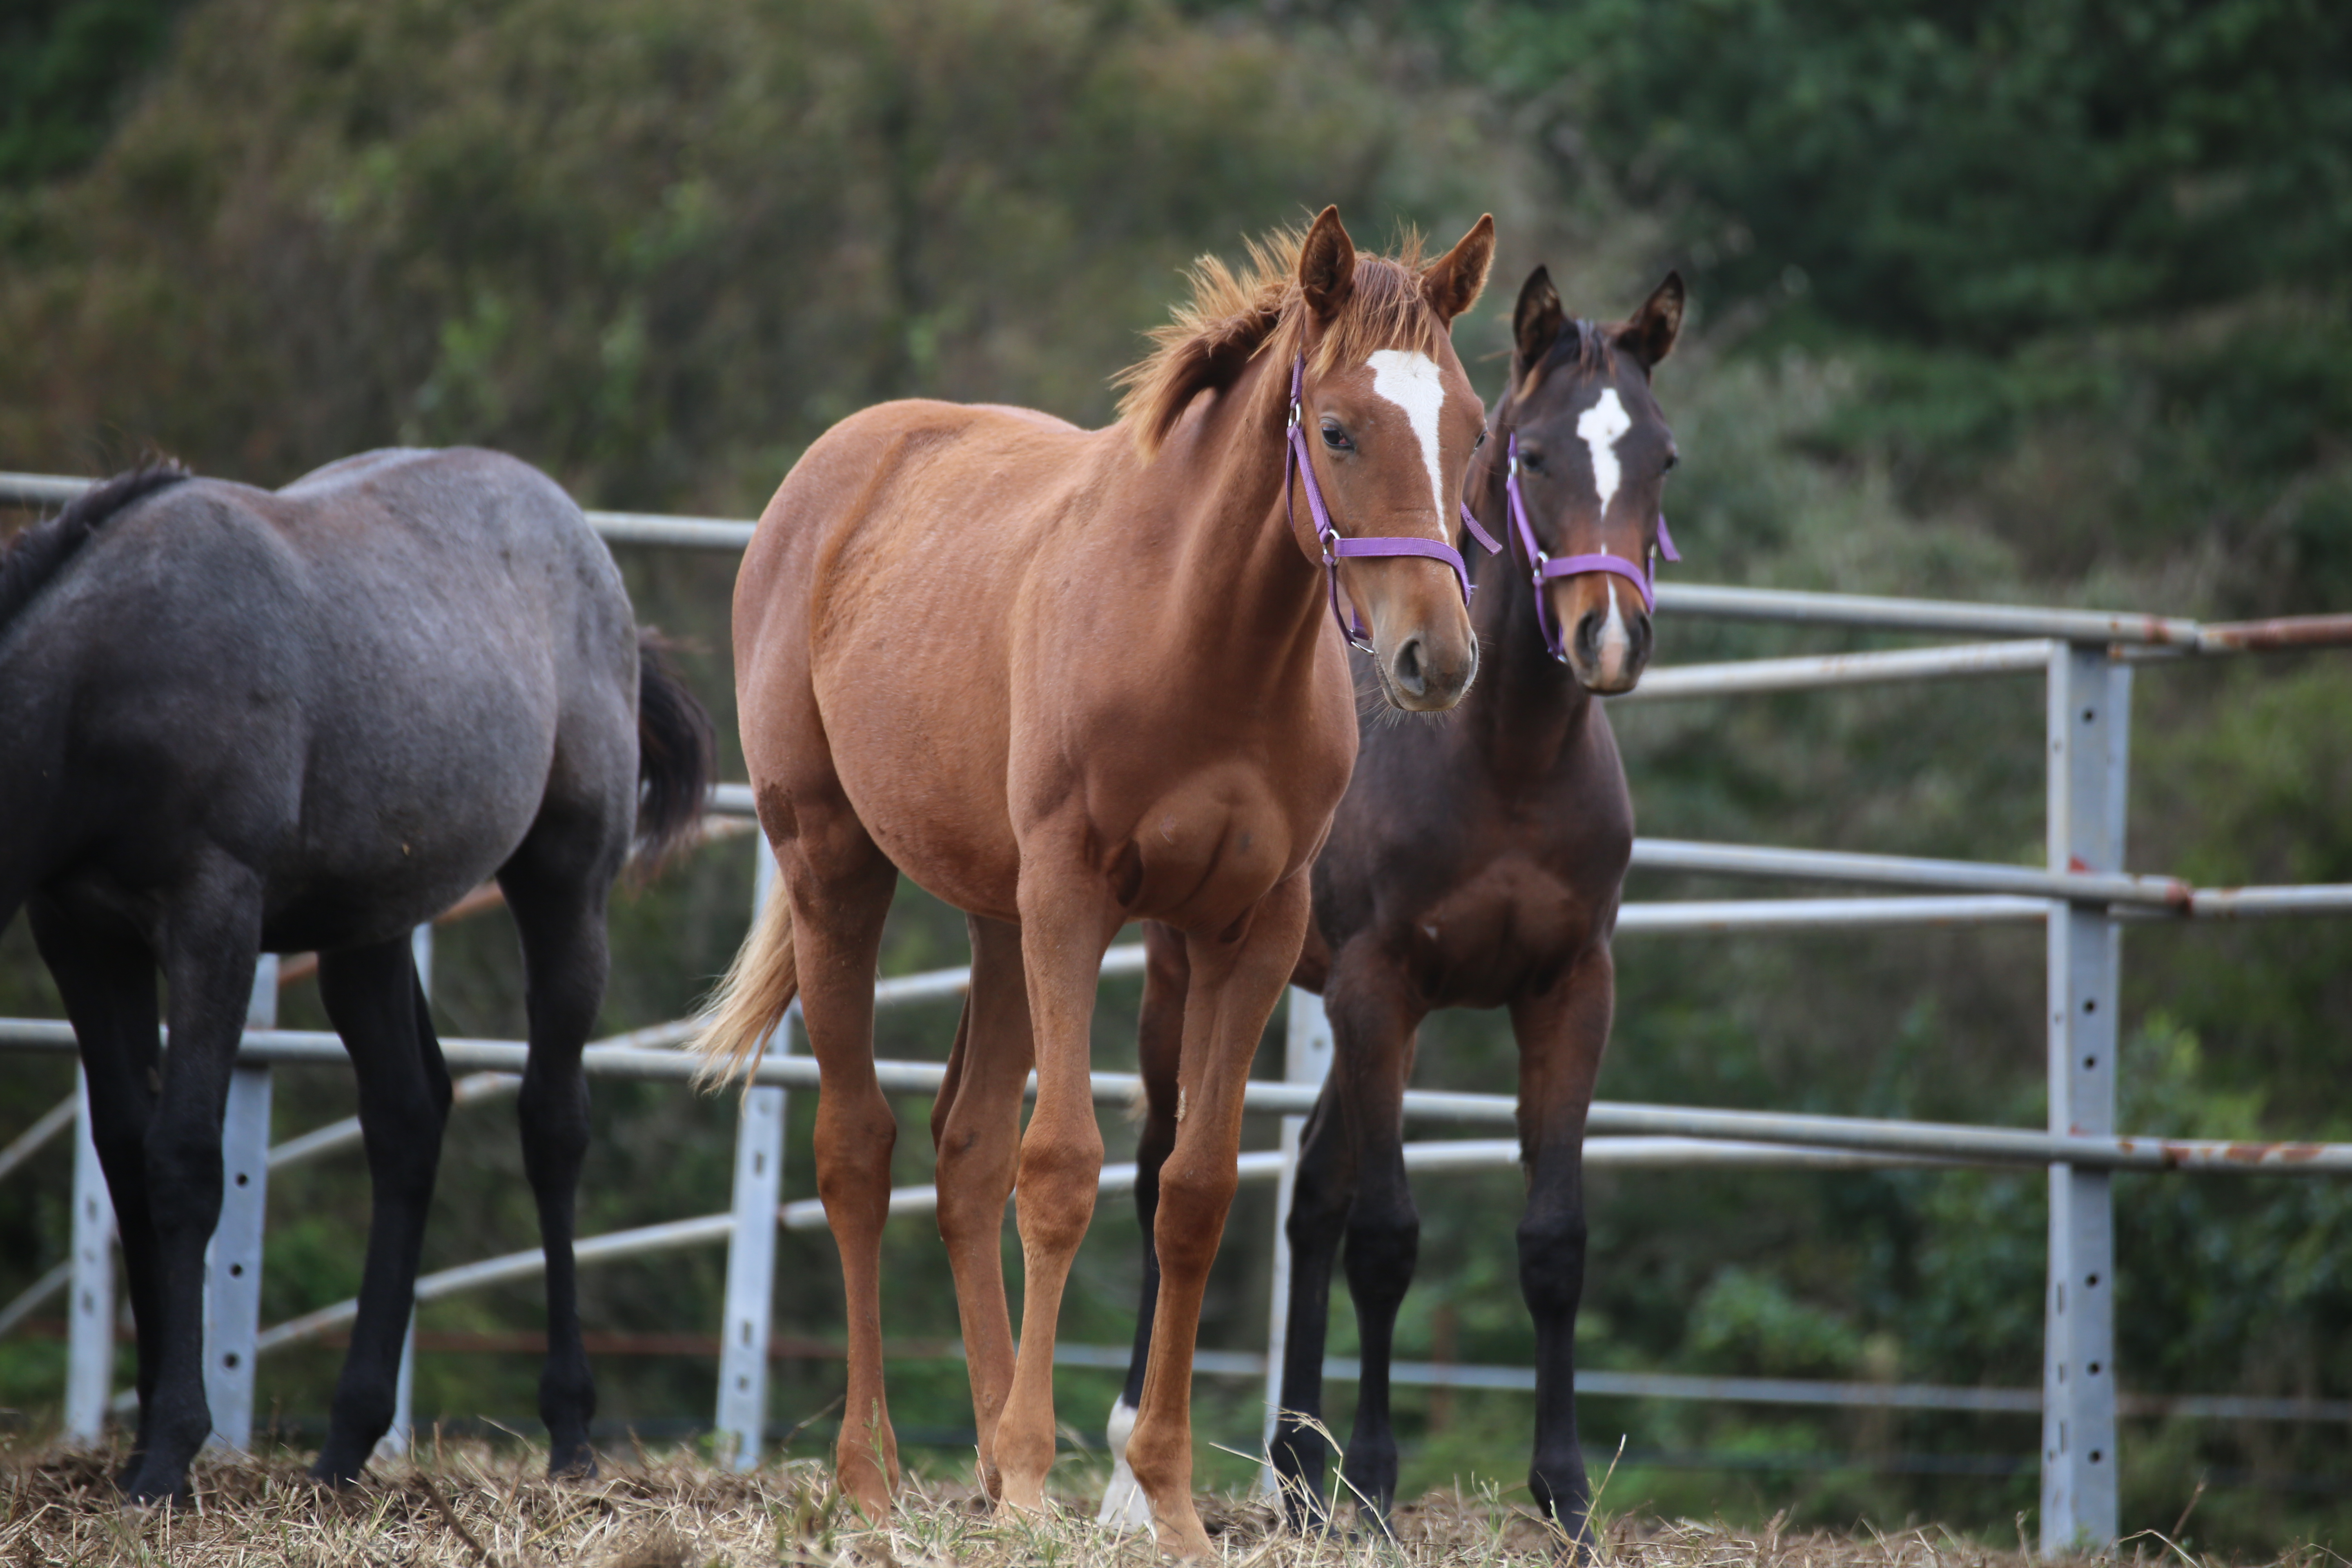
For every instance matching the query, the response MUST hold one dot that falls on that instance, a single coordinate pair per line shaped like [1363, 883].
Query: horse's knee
[1552, 1260]
[554, 1113]
[1057, 1182]
[1319, 1209]
[404, 1152]
[1194, 1204]
[972, 1197]
[1383, 1247]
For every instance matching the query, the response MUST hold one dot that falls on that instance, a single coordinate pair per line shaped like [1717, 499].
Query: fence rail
[2083, 899]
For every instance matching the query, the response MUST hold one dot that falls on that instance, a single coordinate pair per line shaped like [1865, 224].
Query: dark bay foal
[1474, 862]
[240, 721]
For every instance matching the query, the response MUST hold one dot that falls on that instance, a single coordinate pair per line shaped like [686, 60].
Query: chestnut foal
[1506, 898]
[1068, 679]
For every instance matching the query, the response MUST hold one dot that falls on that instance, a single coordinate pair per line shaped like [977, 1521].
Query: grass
[470, 1506]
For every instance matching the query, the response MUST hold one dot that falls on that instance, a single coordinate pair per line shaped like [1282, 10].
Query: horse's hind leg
[1159, 1048]
[556, 885]
[976, 1130]
[214, 918]
[106, 978]
[840, 885]
[1561, 1035]
[372, 997]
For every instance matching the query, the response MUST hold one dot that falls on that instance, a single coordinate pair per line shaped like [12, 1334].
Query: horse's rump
[310, 672]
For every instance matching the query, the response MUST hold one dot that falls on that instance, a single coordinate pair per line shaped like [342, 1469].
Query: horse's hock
[2088, 661]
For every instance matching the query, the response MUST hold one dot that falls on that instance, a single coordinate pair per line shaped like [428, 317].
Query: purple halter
[1351, 625]
[1544, 569]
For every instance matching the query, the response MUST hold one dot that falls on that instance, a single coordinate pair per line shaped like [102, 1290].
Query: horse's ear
[1327, 265]
[1537, 321]
[1452, 282]
[1651, 331]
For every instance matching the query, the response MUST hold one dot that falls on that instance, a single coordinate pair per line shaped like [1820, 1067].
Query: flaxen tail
[749, 1002]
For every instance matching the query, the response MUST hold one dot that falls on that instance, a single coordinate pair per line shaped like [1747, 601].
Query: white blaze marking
[1414, 384]
[1602, 425]
[1124, 1504]
[1616, 644]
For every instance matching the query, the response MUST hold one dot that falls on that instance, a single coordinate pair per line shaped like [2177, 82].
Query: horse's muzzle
[1422, 680]
[1610, 648]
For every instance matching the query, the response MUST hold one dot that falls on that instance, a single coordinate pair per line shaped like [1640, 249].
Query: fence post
[394, 1441]
[233, 1264]
[1305, 1059]
[2089, 740]
[89, 1331]
[751, 1248]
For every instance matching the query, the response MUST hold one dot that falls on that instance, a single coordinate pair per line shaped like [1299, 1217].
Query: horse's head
[1592, 452]
[1390, 421]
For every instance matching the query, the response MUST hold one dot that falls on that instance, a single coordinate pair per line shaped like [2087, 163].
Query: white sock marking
[1414, 384]
[1602, 425]
[1123, 1506]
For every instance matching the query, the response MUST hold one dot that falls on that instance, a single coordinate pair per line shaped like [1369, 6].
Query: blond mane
[1233, 317]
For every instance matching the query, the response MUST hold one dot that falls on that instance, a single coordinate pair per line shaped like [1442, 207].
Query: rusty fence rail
[2083, 897]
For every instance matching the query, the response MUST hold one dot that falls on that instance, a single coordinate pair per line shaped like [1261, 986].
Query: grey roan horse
[239, 721]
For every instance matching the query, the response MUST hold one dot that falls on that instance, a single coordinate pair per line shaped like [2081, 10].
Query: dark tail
[42, 550]
[677, 753]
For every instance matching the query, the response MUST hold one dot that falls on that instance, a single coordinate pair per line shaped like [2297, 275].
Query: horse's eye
[1336, 439]
[1672, 458]
[1531, 461]
[1479, 442]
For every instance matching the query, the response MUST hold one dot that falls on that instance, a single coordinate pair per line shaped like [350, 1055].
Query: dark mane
[1233, 317]
[42, 550]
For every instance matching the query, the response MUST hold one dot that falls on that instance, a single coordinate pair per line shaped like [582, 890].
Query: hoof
[571, 1464]
[332, 1471]
[151, 1486]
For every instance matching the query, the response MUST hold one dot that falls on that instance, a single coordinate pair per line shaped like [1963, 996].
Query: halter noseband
[1543, 568]
[1351, 625]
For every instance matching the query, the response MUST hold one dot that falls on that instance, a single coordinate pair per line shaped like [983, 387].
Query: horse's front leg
[1067, 918]
[1561, 1034]
[1234, 985]
[1373, 1025]
[372, 997]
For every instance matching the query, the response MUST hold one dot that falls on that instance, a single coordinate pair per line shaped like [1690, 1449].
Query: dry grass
[475, 1508]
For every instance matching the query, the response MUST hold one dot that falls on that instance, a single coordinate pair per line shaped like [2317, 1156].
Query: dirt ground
[467, 1507]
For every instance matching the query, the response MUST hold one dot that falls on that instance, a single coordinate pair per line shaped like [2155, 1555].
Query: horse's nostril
[1587, 636]
[1407, 668]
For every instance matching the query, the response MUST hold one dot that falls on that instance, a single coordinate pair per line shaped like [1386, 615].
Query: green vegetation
[2036, 302]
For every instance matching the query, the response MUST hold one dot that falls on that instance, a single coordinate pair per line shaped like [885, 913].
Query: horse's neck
[1252, 599]
[1526, 705]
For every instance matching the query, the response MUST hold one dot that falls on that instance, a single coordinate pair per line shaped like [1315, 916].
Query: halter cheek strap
[1335, 548]
[1544, 569]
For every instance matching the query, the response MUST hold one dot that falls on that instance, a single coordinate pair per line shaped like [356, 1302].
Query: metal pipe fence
[2082, 897]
